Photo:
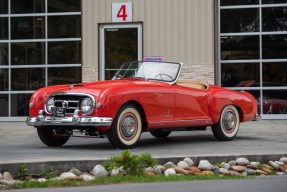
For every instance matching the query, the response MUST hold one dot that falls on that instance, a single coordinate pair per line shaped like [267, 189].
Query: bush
[131, 164]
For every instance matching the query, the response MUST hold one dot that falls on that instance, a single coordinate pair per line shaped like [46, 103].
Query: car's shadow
[149, 142]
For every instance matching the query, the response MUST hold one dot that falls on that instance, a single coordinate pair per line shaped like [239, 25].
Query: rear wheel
[47, 136]
[158, 133]
[228, 124]
[126, 128]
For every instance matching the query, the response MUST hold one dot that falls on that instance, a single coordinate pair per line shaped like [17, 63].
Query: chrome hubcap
[229, 121]
[128, 126]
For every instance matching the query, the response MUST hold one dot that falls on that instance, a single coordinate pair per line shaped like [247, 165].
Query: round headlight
[86, 105]
[49, 104]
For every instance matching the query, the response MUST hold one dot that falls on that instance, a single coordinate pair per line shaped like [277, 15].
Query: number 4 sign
[122, 12]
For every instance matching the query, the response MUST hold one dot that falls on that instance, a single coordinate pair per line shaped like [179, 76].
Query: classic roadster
[142, 96]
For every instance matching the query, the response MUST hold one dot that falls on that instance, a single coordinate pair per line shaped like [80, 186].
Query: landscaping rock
[180, 170]
[280, 173]
[260, 172]
[205, 165]
[284, 160]
[207, 172]
[77, 172]
[274, 165]
[253, 165]
[4, 182]
[224, 171]
[267, 166]
[41, 180]
[242, 161]
[279, 163]
[188, 161]
[233, 173]
[87, 177]
[69, 176]
[169, 171]
[216, 171]
[148, 173]
[283, 168]
[193, 170]
[161, 167]
[182, 165]
[118, 171]
[100, 171]
[238, 168]
[226, 166]
[243, 174]
[250, 171]
[7, 176]
[232, 163]
[169, 165]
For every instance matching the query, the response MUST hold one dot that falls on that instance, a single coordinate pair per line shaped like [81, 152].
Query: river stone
[4, 182]
[169, 165]
[77, 172]
[7, 176]
[87, 177]
[284, 160]
[189, 161]
[253, 165]
[238, 168]
[161, 167]
[193, 170]
[233, 173]
[274, 165]
[169, 171]
[232, 163]
[258, 171]
[41, 180]
[280, 173]
[180, 170]
[154, 170]
[205, 165]
[250, 171]
[216, 171]
[279, 163]
[267, 166]
[118, 171]
[69, 176]
[182, 165]
[242, 161]
[100, 171]
[244, 174]
[283, 168]
[226, 166]
[207, 172]
[224, 171]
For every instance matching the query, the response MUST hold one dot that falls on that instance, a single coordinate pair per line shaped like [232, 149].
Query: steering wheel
[162, 75]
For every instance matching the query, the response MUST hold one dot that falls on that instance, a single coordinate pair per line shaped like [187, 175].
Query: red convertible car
[142, 96]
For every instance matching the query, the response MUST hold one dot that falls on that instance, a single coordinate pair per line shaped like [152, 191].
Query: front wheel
[47, 136]
[126, 128]
[228, 125]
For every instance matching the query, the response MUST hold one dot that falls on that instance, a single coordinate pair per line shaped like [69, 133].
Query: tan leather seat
[194, 85]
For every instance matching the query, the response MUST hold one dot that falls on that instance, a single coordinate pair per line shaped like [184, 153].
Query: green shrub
[131, 164]
[23, 172]
[50, 173]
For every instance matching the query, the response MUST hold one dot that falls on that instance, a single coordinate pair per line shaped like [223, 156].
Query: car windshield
[160, 71]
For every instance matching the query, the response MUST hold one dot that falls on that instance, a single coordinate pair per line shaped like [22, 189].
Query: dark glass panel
[238, 2]
[4, 55]
[239, 47]
[273, 1]
[256, 95]
[120, 46]
[64, 26]
[3, 6]
[274, 74]
[274, 46]
[4, 79]
[4, 105]
[274, 19]
[23, 79]
[27, 53]
[239, 20]
[64, 6]
[20, 104]
[64, 75]
[28, 27]
[275, 101]
[240, 74]
[3, 28]
[27, 6]
[64, 52]
[110, 73]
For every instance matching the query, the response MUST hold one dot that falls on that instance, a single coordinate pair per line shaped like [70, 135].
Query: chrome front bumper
[75, 120]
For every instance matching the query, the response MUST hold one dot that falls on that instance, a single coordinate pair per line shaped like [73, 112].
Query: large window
[40, 45]
[253, 51]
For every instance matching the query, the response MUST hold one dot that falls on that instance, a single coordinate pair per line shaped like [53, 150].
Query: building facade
[238, 44]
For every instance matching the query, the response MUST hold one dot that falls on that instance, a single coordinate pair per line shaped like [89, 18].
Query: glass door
[118, 44]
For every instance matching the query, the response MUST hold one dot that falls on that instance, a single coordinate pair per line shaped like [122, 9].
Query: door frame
[102, 27]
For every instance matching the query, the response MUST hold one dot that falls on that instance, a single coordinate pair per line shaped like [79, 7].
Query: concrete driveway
[20, 144]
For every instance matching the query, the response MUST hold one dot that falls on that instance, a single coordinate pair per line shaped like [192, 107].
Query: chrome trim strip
[76, 120]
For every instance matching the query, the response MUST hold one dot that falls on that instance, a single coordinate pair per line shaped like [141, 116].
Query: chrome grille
[70, 102]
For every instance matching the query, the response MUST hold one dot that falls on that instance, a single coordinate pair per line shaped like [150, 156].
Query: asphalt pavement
[258, 141]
